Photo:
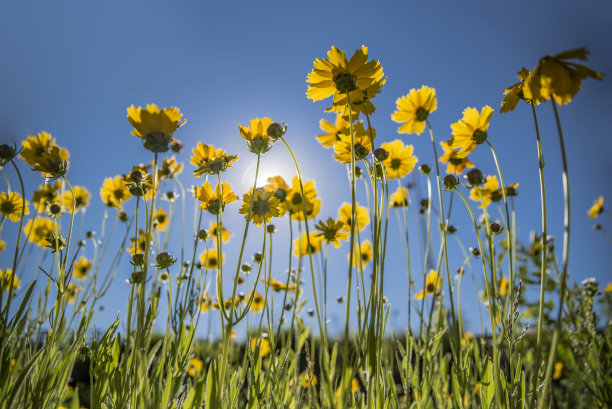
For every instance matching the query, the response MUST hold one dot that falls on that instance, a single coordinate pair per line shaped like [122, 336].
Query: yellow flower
[195, 367]
[12, 205]
[361, 101]
[114, 192]
[558, 370]
[154, 126]
[491, 192]
[414, 108]
[210, 259]
[160, 219]
[51, 163]
[514, 93]
[304, 244]
[38, 230]
[2, 245]
[467, 339]
[503, 286]
[212, 232]
[139, 245]
[258, 302]
[399, 198]
[361, 140]
[363, 254]
[215, 201]
[262, 204]
[333, 131]
[256, 135]
[81, 196]
[361, 213]
[295, 203]
[280, 286]
[305, 380]
[71, 292]
[597, 208]
[205, 303]
[608, 288]
[11, 282]
[471, 130]
[556, 77]
[433, 282]
[47, 192]
[455, 164]
[82, 268]
[263, 344]
[35, 145]
[169, 168]
[400, 161]
[355, 387]
[332, 232]
[210, 160]
[336, 75]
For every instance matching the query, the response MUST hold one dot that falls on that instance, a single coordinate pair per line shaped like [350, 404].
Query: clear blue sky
[71, 68]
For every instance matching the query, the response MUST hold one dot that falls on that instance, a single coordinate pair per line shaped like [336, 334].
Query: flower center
[296, 199]
[345, 83]
[261, 207]
[395, 163]
[421, 114]
[479, 136]
[431, 287]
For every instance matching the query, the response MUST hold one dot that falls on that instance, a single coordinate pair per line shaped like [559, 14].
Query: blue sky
[71, 68]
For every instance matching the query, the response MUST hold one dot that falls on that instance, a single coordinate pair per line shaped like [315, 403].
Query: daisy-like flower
[335, 75]
[414, 108]
[557, 77]
[11, 282]
[471, 130]
[503, 286]
[139, 182]
[160, 219]
[210, 160]
[210, 259]
[35, 145]
[263, 344]
[333, 131]
[2, 245]
[514, 93]
[256, 135]
[169, 168]
[597, 208]
[332, 231]
[12, 206]
[139, 244]
[491, 192]
[361, 101]
[280, 189]
[295, 202]
[399, 198]
[7, 153]
[363, 254]
[213, 231]
[558, 372]
[38, 230]
[304, 380]
[155, 126]
[258, 302]
[361, 214]
[307, 244]
[280, 286]
[361, 140]
[433, 282]
[400, 161]
[71, 292]
[205, 303]
[215, 201]
[81, 199]
[454, 164]
[262, 204]
[47, 192]
[114, 192]
[195, 367]
[355, 387]
[82, 267]
[51, 163]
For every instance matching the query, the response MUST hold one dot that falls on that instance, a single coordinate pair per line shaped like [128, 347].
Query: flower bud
[138, 259]
[271, 228]
[311, 312]
[425, 169]
[202, 235]
[164, 260]
[258, 257]
[496, 228]
[474, 178]
[360, 152]
[176, 146]
[138, 277]
[276, 131]
[424, 202]
[122, 216]
[358, 172]
[475, 251]
[381, 154]
[246, 268]
[90, 234]
[157, 142]
[450, 181]
[451, 229]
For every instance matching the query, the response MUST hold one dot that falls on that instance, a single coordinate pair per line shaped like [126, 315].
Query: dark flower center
[421, 114]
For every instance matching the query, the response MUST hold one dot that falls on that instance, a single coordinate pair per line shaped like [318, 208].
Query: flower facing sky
[81, 198]
[307, 244]
[82, 267]
[414, 108]
[363, 254]
[114, 192]
[491, 192]
[210, 259]
[35, 145]
[12, 206]
[454, 163]
[400, 161]
[399, 198]
[362, 142]
[38, 230]
[361, 214]
[332, 231]
[333, 131]
[471, 130]
[433, 282]
[11, 282]
[213, 232]
[262, 204]
[296, 203]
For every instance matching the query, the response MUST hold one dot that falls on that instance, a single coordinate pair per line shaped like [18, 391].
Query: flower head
[558, 372]
[361, 215]
[256, 135]
[114, 192]
[597, 208]
[215, 201]
[52, 163]
[213, 232]
[139, 244]
[261, 204]
[433, 282]
[296, 203]
[13, 206]
[9, 280]
[258, 302]
[514, 93]
[307, 244]
[71, 292]
[261, 344]
[399, 198]
[210, 259]
[332, 231]
[503, 286]
[362, 144]
[155, 126]
[160, 219]
[169, 168]
[333, 131]
[400, 161]
[82, 267]
[280, 189]
[471, 130]
[363, 254]
[35, 145]
[280, 286]
[414, 108]
[195, 367]
[47, 192]
[491, 192]
[81, 198]
[210, 160]
[38, 230]
[454, 163]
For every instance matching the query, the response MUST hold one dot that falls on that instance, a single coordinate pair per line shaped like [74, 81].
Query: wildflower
[279, 188]
[52, 164]
[55, 210]
[210, 259]
[400, 161]
[331, 231]
[414, 108]
[275, 131]
[399, 198]
[2, 245]
[82, 267]
[361, 101]
[455, 164]
[450, 181]
[256, 135]
[215, 201]
[503, 286]
[169, 168]
[362, 144]
[333, 131]
[155, 127]
[210, 160]
[160, 219]
[262, 206]
[205, 303]
[433, 282]
[361, 214]
[139, 244]
[304, 244]
[296, 203]
[471, 130]
[7, 153]
[258, 302]
[139, 182]
[491, 192]
[305, 380]
[13, 206]
[38, 230]
[71, 292]
[213, 232]
[81, 198]
[355, 387]
[46, 192]
[595, 210]
[195, 367]
[558, 370]
[474, 178]
[10, 280]
[556, 77]
[114, 192]
[514, 93]
[246, 268]
[363, 253]
[608, 288]
[467, 339]
[261, 344]
[35, 145]
[280, 286]
[335, 75]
